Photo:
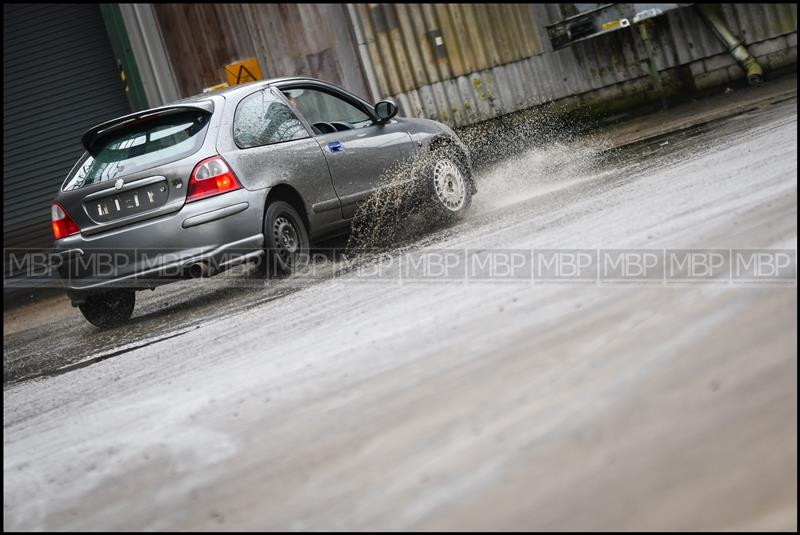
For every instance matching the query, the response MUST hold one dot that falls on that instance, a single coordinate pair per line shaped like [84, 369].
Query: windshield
[145, 143]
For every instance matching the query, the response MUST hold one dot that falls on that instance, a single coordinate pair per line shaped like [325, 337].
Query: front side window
[320, 107]
[262, 119]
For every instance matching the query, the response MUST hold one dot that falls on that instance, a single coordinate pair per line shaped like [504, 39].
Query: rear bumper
[221, 231]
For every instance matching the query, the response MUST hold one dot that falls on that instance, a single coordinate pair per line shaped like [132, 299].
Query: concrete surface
[731, 100]
[349, 405]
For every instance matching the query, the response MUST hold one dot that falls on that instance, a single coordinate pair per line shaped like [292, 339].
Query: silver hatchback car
[254, 172]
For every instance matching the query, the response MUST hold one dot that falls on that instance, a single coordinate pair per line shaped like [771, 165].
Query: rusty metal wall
[464, 63]
[458, 63]
[201, 39]
[420, 44]
[431, 57]
[288, 39]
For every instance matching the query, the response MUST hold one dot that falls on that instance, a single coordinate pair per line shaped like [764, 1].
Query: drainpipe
[363, 52]
[126, 60]
[755, 75]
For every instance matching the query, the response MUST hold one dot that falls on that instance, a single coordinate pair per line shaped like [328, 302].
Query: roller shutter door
[60, 77]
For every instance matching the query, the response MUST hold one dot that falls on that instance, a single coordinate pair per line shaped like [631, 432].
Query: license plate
[128, 203]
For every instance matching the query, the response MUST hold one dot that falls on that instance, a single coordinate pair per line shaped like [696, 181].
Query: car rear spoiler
[90, 138]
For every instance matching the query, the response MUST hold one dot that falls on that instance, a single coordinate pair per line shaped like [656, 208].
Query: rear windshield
[140, 145]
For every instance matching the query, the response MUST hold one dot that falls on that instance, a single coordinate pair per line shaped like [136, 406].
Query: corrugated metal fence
[459, 63]
[464, 63]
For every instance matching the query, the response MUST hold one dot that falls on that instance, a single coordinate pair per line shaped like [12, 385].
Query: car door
[361, 154]
[270, 146]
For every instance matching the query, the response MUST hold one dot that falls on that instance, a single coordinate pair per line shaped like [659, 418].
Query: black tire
[449, 184]
[286, 242]
[109, 309]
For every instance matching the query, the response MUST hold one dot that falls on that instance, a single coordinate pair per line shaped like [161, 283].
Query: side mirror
[385, 110]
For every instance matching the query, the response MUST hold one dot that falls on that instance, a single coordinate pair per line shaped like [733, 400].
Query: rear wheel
[109, 309]
[449, 185]
[286, 239]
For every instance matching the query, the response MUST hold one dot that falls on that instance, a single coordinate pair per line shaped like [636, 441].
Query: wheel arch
[287, 193]
[443, 141]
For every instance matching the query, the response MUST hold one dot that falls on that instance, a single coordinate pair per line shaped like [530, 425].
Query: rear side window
[262, 119]
[140, 145]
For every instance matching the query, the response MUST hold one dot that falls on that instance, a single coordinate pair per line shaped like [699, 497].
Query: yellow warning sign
[243, 71]
[612, 25]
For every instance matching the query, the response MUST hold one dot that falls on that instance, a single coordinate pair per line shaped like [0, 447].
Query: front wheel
[109, 309]
[451, 190]
[286, 239]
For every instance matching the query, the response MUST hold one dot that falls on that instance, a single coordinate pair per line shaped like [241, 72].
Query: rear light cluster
[211, 177]
[63, 225]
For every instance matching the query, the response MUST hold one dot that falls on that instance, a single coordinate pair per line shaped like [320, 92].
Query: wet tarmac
[335, 402]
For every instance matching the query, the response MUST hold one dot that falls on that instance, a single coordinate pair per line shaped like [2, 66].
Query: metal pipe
[754, 72]
[363, 52]
[149, 49]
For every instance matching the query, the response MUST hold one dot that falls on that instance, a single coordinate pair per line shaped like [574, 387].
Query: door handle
[335, 146]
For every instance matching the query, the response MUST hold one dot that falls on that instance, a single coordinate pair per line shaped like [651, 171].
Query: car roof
[203, 101]
[233, 91]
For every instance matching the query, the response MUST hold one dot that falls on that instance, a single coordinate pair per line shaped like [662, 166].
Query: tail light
[211, 177]
[63, 225]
